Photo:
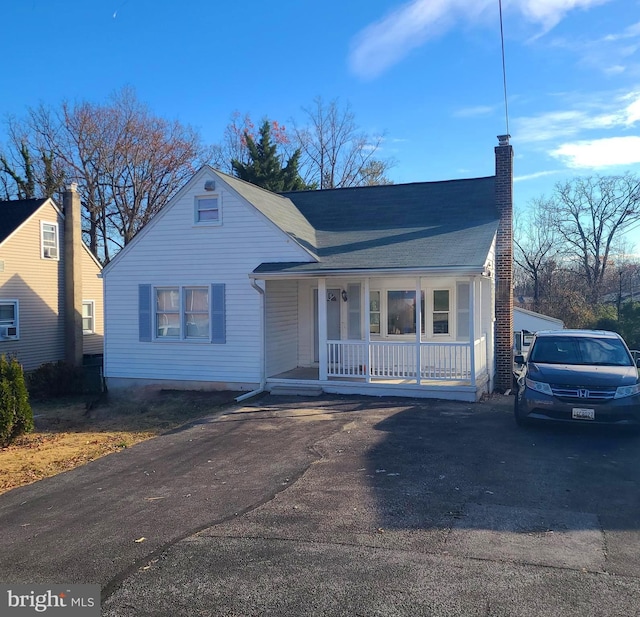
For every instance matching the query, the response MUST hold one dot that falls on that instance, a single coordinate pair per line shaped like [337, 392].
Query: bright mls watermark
[72, 600]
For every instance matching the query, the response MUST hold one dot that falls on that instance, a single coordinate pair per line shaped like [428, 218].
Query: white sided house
[382, 290]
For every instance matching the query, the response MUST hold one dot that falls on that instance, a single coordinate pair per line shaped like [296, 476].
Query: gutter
[452, 270]
[263, 345]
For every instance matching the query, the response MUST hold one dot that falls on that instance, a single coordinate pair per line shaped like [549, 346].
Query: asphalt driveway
[343, 506]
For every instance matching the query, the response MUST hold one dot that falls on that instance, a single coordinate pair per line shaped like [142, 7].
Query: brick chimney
[72, 276]
[504, 265]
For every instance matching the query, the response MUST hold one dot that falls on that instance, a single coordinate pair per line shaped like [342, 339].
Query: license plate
[577, 413]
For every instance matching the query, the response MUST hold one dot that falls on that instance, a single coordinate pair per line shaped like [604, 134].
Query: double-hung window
[8, 319]
[88, 317]
[182, 313]
[207, 210]
[49, 240]
[441, 311]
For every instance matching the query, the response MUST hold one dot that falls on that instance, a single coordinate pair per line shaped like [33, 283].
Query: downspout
[263, 346]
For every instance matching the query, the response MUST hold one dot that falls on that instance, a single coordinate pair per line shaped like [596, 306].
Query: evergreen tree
[16, 416]
[264, 166]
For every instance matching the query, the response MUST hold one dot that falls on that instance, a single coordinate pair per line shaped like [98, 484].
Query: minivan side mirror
[519, 359]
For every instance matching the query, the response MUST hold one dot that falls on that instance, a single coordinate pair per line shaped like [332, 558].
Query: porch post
[472, 330]
[367, 327]
[322, 329]
[418, 331]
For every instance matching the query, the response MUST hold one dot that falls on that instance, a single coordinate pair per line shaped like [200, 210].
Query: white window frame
[423, 324]
[91, 317]
[197, 210]
[45, 251]
[433, 312]
[15, 322]
[181, 312]
[376, 312]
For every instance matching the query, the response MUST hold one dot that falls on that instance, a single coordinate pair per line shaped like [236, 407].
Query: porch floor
[311, 373]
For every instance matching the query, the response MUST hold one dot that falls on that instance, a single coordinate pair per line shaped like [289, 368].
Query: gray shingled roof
[15, 212]
[277, 208]
[399, 226]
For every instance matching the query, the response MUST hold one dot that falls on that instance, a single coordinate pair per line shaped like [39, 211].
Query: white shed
[532, 322]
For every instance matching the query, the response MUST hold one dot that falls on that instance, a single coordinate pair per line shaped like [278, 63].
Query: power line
[504, 71]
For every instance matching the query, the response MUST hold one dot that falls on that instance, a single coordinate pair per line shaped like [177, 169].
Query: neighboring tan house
[385, 290]
[40, 252]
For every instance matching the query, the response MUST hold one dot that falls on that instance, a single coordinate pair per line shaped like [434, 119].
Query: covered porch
[380, 335]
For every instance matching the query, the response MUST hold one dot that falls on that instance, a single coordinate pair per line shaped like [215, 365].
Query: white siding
[174, 251]
[282, 326]
[528, 320]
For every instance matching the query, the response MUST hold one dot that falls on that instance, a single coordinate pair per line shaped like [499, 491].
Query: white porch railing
[395, 360]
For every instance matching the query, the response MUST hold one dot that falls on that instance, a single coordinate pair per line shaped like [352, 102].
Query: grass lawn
[67, 435]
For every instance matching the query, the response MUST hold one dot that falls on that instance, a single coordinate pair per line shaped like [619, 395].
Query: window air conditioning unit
[50, 252]
[8, 332]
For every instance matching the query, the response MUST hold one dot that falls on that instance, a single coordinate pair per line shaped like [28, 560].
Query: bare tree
[335, 152]
[535, 246]
[588, 215]
[127, 162]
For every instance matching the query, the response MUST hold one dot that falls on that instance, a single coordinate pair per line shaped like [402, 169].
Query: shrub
[55, 379]
[16, 416]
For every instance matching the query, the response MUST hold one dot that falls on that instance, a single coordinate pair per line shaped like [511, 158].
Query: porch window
[441, 311]
[374, 312]
[401, 312]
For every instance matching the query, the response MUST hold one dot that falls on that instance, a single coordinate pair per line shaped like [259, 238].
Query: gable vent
[210, 185]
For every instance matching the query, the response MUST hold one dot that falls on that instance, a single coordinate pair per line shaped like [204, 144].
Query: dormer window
[49, 241]
[207, 210]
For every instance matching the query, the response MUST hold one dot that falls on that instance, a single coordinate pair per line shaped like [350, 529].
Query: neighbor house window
[401, 312]
[88, 323]
[182, 312]
[208, 209]
[50, 245]
[441, 311]
[8, 319]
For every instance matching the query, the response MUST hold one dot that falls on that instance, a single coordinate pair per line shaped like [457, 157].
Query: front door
[333, 319]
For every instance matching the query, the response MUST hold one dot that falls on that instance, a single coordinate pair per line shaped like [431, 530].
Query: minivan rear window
[580, 350]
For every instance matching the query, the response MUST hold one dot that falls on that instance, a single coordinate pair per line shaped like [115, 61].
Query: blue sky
[426, 72]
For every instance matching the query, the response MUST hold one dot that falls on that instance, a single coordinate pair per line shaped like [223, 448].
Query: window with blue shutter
[144, 313]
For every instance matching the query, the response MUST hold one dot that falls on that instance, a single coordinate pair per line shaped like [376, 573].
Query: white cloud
[536, 175]
[599, 153]
[387, 41]
[474, 112]
[610, 112]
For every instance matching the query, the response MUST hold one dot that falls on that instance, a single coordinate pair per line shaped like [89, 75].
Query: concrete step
[296, 390]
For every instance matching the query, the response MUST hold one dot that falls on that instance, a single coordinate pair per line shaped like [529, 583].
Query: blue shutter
[218, 316]
[144, 313]
[354, 328]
